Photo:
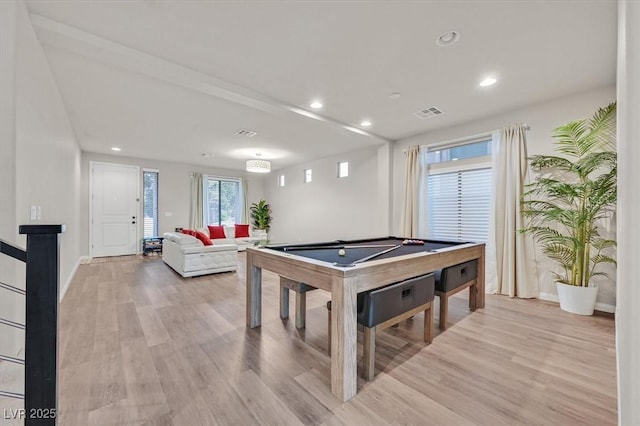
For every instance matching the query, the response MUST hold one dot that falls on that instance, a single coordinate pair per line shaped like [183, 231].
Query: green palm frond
[603, 126]
[571, 138]
[601, 243]
[541, 162]
[563, 254]
[571, 193]
[601, 258]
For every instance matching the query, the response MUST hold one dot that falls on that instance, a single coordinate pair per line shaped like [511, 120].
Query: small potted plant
[261, 216]
[572, 192]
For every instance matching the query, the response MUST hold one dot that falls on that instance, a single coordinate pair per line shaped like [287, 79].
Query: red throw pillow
[202, 237]
[216, 232]
[187, 231]
[242, 231]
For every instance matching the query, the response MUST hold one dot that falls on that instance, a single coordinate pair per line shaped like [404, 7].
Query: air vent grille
[428, 112]
[245, 132]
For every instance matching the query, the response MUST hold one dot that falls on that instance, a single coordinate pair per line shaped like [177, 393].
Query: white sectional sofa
[189, 257]
[255, 236]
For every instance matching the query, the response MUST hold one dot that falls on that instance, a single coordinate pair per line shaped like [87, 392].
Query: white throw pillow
[230, 231]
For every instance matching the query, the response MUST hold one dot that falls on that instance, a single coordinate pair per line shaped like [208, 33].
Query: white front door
[115, 198]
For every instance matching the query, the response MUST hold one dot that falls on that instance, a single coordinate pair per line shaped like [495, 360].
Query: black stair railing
[42, 276]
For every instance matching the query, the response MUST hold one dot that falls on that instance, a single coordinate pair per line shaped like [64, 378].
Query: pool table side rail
[369, 275]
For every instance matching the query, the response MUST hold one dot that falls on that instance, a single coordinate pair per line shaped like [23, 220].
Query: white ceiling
[170, 80]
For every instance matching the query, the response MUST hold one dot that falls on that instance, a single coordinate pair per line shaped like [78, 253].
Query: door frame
[138, 208]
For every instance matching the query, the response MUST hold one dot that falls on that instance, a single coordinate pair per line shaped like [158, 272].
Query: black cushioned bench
[452, 280]
[387, 306]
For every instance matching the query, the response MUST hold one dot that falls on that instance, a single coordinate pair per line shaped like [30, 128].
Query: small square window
[307, 175]
[343, 169]
[281, 180]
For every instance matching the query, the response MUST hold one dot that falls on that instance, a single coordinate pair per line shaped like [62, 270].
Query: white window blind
[458, 205]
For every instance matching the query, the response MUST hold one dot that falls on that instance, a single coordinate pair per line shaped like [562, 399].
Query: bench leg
[473, 297]
[284, 302]
[301, 309]
[329, 331]
[444, 311]
[369, 355]
[428, 323]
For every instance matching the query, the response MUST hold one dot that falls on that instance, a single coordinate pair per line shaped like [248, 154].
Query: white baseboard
[65, 287]
[602, 307]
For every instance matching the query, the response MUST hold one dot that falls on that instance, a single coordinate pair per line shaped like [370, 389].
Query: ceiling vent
[428, 113]
[245, 132]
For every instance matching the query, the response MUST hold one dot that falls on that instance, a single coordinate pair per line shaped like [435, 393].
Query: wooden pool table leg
[344, 360]
[480, 280]
[301, 309]
[254, 294]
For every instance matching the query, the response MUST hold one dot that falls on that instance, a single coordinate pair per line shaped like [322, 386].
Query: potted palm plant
[261, 215]
[572, 193]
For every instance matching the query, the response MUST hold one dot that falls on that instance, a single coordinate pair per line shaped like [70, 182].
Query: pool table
[366, 264]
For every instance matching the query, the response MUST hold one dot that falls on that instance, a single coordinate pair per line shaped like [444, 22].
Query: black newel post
[41, 332]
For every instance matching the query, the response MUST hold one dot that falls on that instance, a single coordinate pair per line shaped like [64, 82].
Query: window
[150, 203]
[456, 192]
[281, 180]
[460, 152]
[307, 175]
[343, 169]
[222, 201]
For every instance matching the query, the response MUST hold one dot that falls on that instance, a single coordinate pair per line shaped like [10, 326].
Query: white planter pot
[577, 300]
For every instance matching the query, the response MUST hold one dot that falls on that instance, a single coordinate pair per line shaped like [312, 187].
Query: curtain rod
[466, 138]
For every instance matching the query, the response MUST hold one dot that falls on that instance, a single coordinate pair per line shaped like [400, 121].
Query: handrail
[11, 323]
[42, 259]
[11, 359]
[12, 288]
[13, 251]
[12, 395]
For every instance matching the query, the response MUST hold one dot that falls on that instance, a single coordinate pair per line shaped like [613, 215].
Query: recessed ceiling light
[488, 81]
[447, 38]
[115, 148]
[394, 95]
[365, 123]
[316, 105]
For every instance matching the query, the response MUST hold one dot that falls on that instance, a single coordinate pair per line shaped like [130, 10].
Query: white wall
[330, 207]
[542, 118]
[174, 183]
[627, 311]
[42, 155]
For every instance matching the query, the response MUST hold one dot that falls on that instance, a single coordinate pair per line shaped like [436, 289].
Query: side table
[152, 245]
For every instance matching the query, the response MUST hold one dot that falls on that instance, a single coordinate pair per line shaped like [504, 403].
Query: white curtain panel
[244, 195]
[197, 201]
[514, 254]
[409, 222]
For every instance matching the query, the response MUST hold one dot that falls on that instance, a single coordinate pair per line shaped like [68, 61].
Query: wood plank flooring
[142, 346]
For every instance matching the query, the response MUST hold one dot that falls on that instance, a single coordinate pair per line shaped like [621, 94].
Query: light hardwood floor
[141, 345]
